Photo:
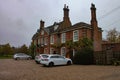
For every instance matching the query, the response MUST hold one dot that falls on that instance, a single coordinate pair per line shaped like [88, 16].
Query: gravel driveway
[29, 70]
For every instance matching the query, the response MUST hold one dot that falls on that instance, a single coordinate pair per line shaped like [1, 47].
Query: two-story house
[52, 39]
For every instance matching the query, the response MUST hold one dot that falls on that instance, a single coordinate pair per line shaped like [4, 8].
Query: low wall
[106, 57]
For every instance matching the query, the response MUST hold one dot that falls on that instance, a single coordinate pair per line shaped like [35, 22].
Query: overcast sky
[20, 19]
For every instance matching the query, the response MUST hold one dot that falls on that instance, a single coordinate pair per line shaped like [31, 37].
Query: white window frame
[55, 27]
[45, 50]
[63, 51]
[63, 37]
[45, 40]
[42, 32]
[42, 40]
[39, 41]
[75, 35]
[51, 50]
[74, 52]
[52, 39]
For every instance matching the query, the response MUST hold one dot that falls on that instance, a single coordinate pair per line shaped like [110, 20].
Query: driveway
[29, 70]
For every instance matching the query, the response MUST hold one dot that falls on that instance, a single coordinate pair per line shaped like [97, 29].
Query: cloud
[19, 19]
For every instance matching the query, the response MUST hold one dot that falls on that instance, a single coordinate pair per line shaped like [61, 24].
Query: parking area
[28, 70]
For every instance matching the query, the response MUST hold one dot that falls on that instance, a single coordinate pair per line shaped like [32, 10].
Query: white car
[18, 56]
[39, 57]
[55, 59]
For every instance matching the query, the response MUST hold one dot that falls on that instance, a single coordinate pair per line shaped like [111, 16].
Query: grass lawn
[6, 56]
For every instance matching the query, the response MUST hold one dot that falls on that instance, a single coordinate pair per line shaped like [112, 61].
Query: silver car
[18, 56]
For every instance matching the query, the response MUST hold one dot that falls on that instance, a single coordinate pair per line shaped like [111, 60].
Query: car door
[22, 56]
[62, 60]
[55, 60]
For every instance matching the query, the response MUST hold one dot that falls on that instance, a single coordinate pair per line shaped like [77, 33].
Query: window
[51, 50]
[61, 57]
[42, 32]
[55, 27]
[74, 51]
[39, 41]
[42, 41]
[54, 57]
[52, 39]
[75, 35]
[63, 37]
[45, 51]
[45, 40]
[63, 51]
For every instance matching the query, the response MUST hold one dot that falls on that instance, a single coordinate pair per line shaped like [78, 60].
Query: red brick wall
[112, 46]
[69, 35]
[89, 34]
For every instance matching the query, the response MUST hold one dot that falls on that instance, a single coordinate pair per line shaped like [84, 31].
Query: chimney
[93, 16]
[66, 12]
[41, 24]
[96, 33]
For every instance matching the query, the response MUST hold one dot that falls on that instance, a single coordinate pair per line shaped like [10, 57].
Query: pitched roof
[35, 36]
[82, 25]
[51, 30]
[76, 26]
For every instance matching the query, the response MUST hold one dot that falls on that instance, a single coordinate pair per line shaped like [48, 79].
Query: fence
[106, 57]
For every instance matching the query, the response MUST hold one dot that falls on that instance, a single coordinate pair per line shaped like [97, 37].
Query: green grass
[6, 56]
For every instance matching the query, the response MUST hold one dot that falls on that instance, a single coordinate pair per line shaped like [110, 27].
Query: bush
[84, 57]
[6, 56]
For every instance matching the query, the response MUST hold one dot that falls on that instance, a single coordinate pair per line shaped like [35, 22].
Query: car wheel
[51, 64]
[29, 58]
[37, 62]
[69, 63]
[17, 58]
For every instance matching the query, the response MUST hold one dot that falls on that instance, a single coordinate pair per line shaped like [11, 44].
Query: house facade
[54, 38]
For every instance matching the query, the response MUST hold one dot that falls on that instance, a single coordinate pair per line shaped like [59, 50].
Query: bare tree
[113, 35]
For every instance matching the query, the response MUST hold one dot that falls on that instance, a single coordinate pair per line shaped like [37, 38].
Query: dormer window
[55, 27]
[42, 32]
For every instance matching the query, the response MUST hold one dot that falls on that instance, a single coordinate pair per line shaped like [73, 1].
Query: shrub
[84, 57]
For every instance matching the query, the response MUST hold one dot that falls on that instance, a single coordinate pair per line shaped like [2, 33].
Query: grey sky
[19, 19]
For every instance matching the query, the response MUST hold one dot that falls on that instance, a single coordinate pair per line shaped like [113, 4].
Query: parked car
[18, 56]
[39, 57]
[55, 59]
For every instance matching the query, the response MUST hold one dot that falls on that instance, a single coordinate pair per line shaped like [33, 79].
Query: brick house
[51, 39]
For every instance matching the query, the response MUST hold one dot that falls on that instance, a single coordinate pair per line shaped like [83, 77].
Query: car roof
[43, 54]
[54, 55]
[50, 54]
